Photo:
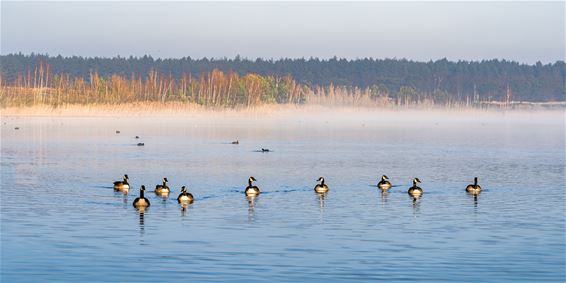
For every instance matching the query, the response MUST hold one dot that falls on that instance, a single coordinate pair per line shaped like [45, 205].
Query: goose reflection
[123, 195]
[141, 212]
[384, 195]
[251, 205]
[321, 198]
[416, 204]
[475, 197]
[321, 204]
[184, 209]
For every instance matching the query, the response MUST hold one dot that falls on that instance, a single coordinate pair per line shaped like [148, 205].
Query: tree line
[240, 81]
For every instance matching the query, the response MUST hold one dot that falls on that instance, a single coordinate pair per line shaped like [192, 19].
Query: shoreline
[158, 109]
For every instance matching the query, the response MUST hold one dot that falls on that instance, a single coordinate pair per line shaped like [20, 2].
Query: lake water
[61, 221]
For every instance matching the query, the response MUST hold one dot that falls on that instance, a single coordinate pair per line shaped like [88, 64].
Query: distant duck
[475, 188]
[236, 142]
[322, 187]
[16, 128]
[265, 150]
[415, 190]
[141, 144]
[122, 185]
[137, 137]
[117, 132]
[162, 189]
[141, 201]
[185, 197]
[252, 190]
[384, 184]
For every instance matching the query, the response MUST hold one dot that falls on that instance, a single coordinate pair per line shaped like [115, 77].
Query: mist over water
[61, 221]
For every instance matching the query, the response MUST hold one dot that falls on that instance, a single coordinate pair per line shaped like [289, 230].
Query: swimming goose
[141, 201]
[415, 190]
[162, 189]
[384, 184]
[475, 188]
[250, 189]
[122, 185]
[185, 197]
[322, 187]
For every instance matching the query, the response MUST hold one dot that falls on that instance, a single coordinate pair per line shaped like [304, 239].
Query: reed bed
[215, 90]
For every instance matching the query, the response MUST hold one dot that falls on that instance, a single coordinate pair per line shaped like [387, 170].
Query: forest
[35, 78]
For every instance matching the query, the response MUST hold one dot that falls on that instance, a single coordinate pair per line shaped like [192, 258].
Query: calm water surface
[61, 221]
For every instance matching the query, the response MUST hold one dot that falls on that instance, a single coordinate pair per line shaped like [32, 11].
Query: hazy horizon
[525, 32]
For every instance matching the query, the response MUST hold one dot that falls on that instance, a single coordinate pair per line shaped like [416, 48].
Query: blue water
[61, 221]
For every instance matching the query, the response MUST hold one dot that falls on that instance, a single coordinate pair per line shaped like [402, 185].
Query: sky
[526, 32]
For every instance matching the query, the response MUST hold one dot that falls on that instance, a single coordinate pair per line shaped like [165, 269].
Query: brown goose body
[415, 190]
[474, 188]
[384, 184]
[252, 190]
[122, 185]
[322, 187]
[141, 201]
[185, 197]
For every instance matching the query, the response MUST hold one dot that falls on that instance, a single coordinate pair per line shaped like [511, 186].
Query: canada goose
[322, 187]
[384, 184]
[475, 188]
[141, 201]
[185, 197]
[162, 189]
[122, 185]
[236, 142]
[415, 190]
[250, 189]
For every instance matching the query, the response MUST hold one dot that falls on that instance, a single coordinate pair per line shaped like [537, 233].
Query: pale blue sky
[521, 31]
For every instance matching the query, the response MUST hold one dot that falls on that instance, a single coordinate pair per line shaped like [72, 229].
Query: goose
[415, 190]
[252, 190]
[162, 189]
[474, 188]
[122, 185]
[141, 201]
[384, 184]
[322, 187]
[185, 197]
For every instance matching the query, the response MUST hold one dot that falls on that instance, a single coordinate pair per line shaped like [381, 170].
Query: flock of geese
[185, 198]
